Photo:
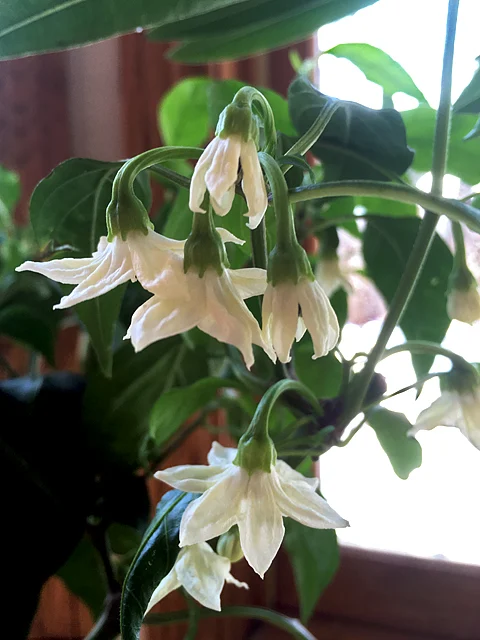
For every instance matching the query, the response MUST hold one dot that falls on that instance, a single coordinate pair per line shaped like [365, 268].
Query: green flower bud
[204, 248]
[288, 263]
[228, 545]
[126, 213]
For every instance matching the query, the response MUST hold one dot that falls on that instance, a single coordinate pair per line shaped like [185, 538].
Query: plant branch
[430, 348]
[460, 258]
[427, 228]
[434, 203]
[290, 625]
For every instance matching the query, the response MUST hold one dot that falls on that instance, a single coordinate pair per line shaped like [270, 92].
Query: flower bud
[228, 545]
[463, 301]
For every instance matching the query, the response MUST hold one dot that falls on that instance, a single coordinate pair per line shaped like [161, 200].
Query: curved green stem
[172, 176]
[283, 212]
[460, 259]
[259, 245]
[426, 232]
[290, 625]
[454, 209]
[429, 348]
[251, 96]
[306, 142]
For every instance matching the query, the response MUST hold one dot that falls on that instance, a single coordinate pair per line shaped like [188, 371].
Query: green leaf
[322, 376]
[99, 316]
[463, 157]
[183, 113]
[387, 245]
[179, 220]
[154, 559]
[259, 27]
[378, 67]
[117, 410]
[404, 452]
[469, 99]
[9, 196]
[29, 326]
[84, 576]
[358, 142]
[315, 559]
[174, 408]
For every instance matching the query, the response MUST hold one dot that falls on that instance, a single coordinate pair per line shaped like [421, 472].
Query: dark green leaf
[99, 316]
[84, 576]
[269, 25]
[118, 409]
[462, 156]
[179, 220]
[322, 376]
[154, 559]
[358, 142]
[404, 452]
[378, 67]
[183, 113]
[29, 326]
[174, 408]
[387, 245]
[314, 557]
[469, 100]
[339, 302]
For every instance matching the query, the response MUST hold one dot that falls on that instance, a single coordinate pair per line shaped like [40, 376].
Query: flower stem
[430, 348]
[290, 625]
[460, 259]
[306, 142]
[259, 245]
[454, 209]
[427, 228]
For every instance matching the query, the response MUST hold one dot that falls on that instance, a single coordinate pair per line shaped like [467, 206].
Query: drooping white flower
[217, 170]
[256, 503]
[214, 303]
[330, 276]
[201, 572]
[112, 264]
[464, 304]
[459, 409]
[281, 322]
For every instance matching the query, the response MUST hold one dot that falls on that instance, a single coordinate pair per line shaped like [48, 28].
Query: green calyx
[126, 213]
[462, 380]
[461, 279]
[256, 452]
[204, 248]
[229, 546]
[238, 119]
[288, 263]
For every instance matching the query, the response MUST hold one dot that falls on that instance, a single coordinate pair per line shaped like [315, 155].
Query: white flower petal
[197, 184]
[253, 184]
[203, 573]
[192, 478]
[221, 456]
[223, 206]
[301, 329]
[287, 474]
[169, 583]
[470, 414]
[152, 255]
[227, 236]
[223, 171]
[299, 501]
[157, 319]
[330, 276]
[280, 318]
[231, 580]
[443, 411]
[260, 523]
[214, 512]
[248, 282]
[319, 317]
[464, 305]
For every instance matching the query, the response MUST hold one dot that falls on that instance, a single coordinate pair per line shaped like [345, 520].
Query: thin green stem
[193, 618]
[454, 209]
[290, 625]
[426, 232]
[259, 245]
[429, 348]
[283, 212]
[172, 176]
[460, 258]
[306, 142]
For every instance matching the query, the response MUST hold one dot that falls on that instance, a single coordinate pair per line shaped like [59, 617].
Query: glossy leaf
[387, 245]
[183, 113]
[404, 452]
[462, 156]
[28, 325]
[322, 376]
[358, 142]
[314, 557]
[154, 559]
[378, 67]
[176, 406]
[117, 409]
[9, 196]
[469, 99]
[259, 27]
